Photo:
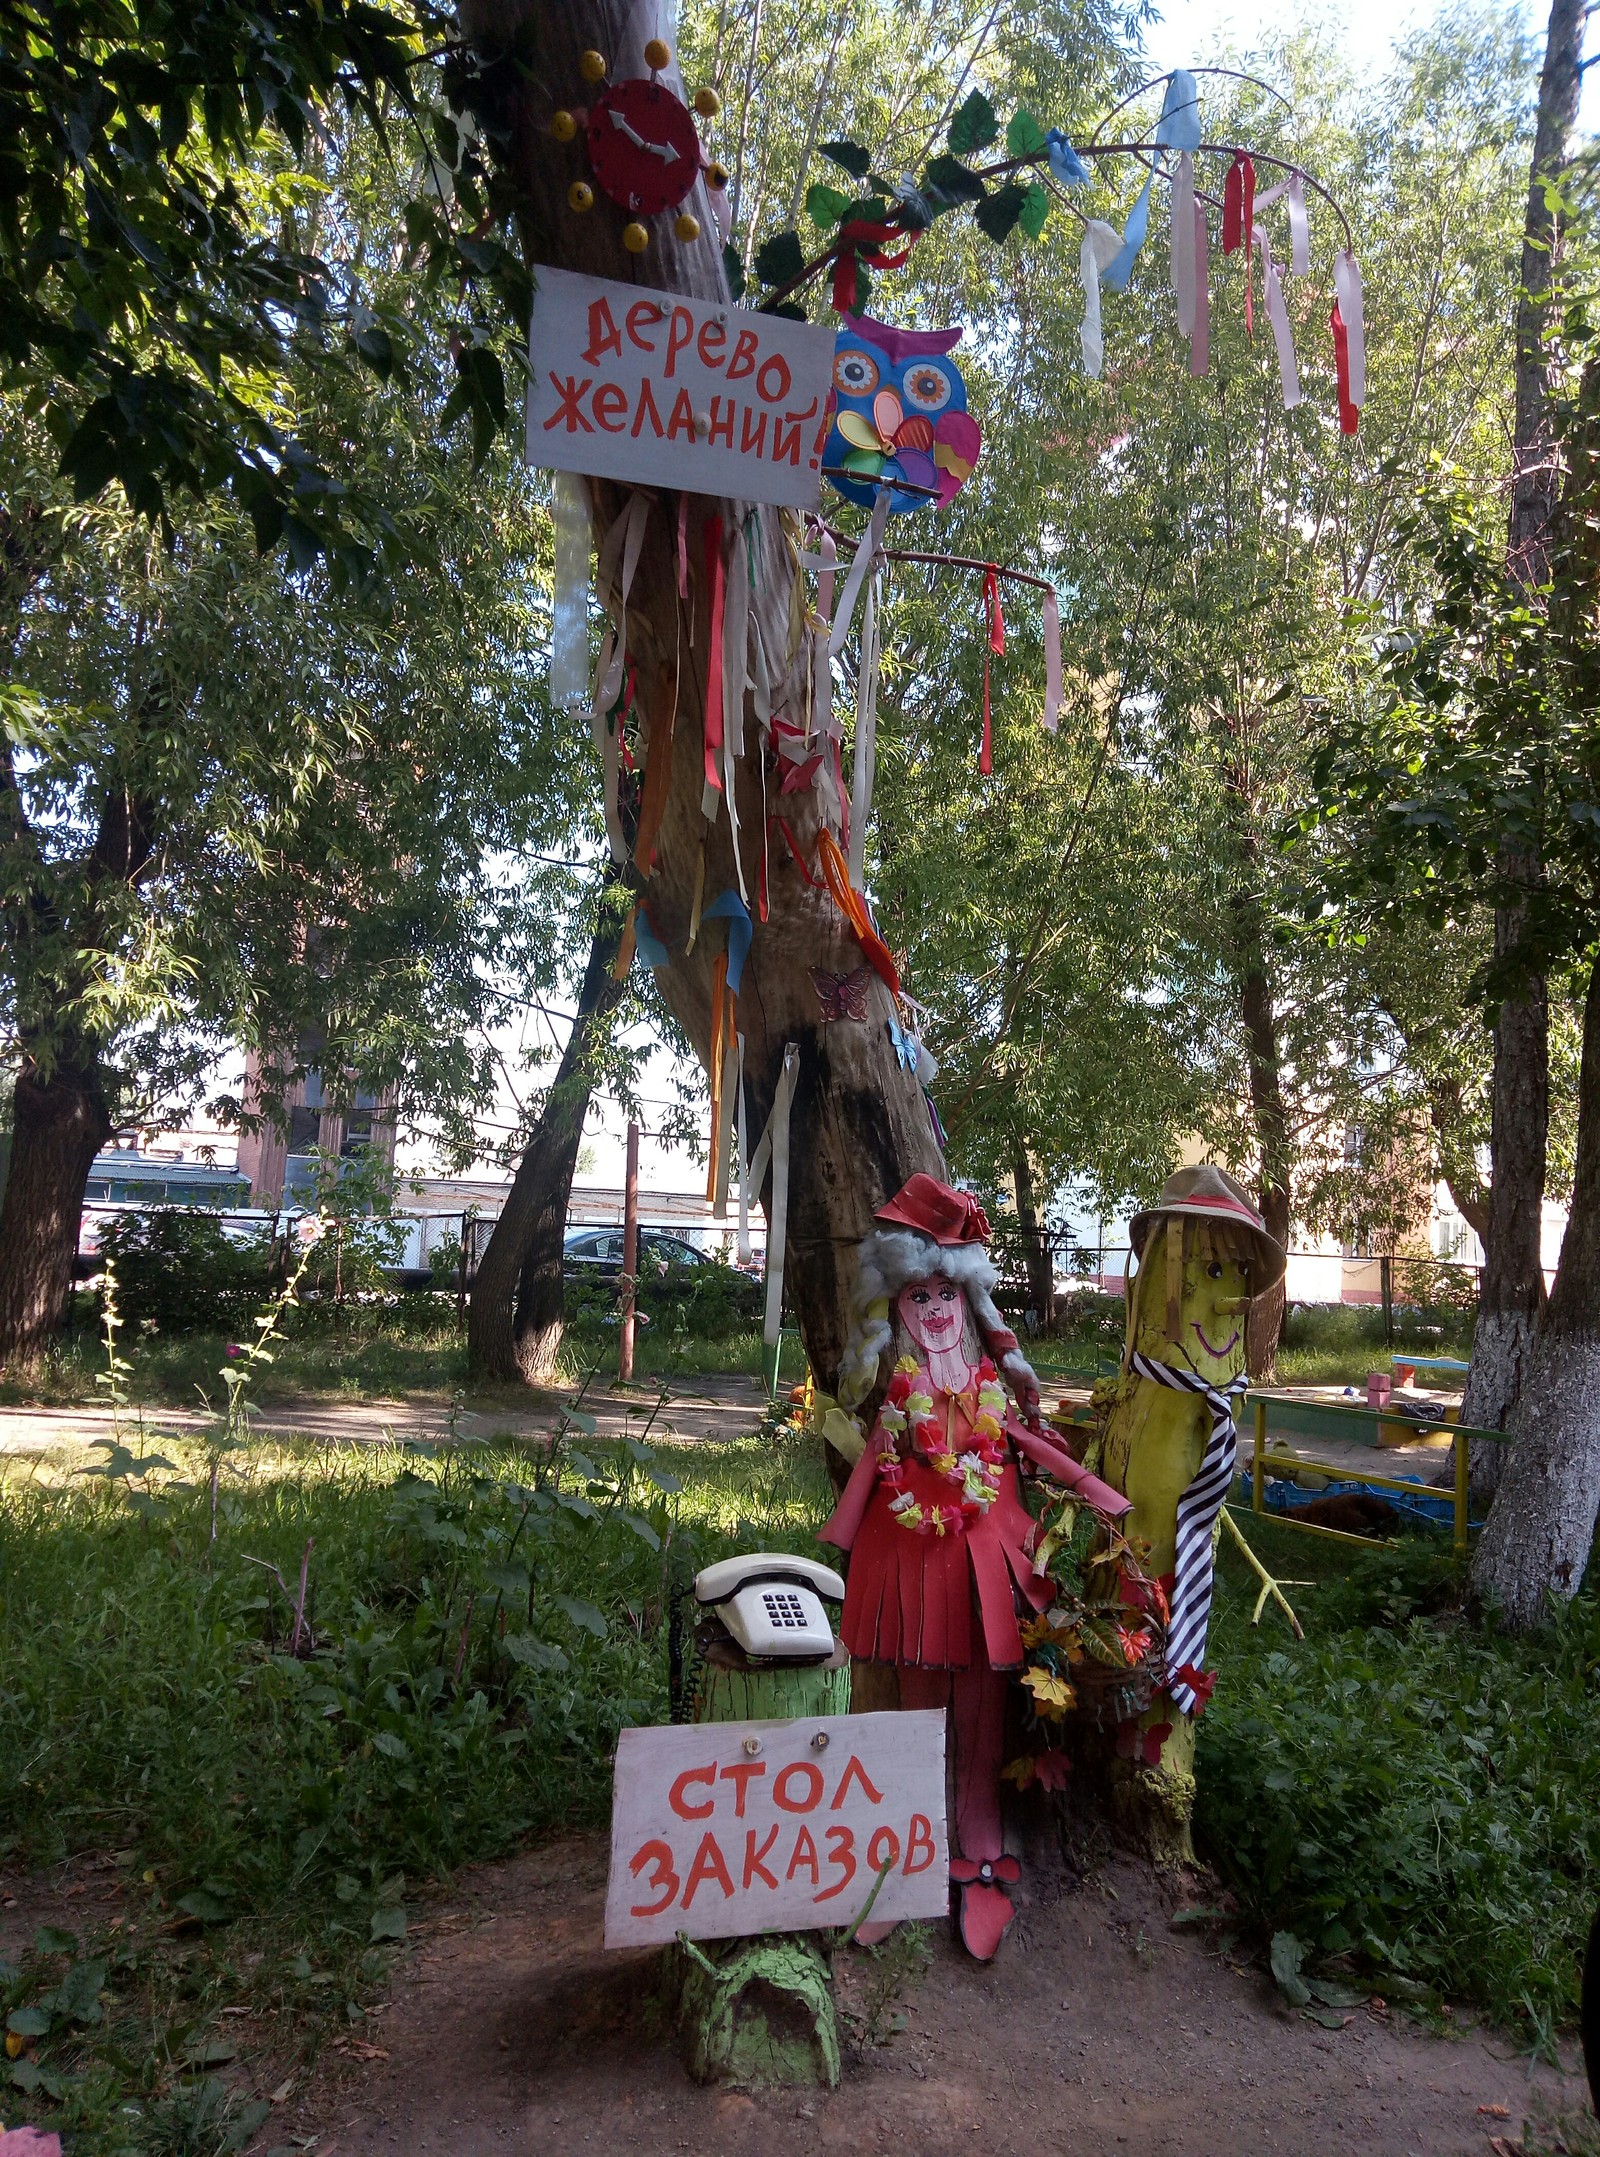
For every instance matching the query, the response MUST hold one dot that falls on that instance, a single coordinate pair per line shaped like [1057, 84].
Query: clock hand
[664, 150]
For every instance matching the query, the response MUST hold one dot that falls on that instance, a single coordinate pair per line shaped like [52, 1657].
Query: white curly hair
[890, 1258]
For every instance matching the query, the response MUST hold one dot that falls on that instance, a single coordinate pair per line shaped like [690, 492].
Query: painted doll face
[1213, 1302]
[933, 1313]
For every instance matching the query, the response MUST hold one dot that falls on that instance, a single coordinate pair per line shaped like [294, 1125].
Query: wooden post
[630, 1253]
[1257, 1472]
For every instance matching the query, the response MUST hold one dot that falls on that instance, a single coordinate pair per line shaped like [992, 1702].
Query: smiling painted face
[1212, 1302]
[933, 1313]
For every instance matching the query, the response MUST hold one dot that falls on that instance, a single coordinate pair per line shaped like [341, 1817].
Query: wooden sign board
[725, 1829]
[661, 390]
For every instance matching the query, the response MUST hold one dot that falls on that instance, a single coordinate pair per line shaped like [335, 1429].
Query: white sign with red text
[661, 390]
[723, 1829]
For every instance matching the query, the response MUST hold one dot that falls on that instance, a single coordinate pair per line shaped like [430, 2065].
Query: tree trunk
[59, 1125]
[859, 1125]
[1541, 1526]
[518, 1311]
[1511, 1292]
[1035, 1240]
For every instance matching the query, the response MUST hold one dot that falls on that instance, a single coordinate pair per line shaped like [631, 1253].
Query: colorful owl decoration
[900, 417]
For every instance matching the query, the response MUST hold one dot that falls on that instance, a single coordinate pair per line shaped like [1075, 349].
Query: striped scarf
[1197, 1517]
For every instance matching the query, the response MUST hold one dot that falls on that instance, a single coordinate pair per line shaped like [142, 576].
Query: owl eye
[927, 387]
[855, 373]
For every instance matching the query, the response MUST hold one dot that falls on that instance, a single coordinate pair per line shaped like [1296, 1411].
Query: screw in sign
[720, 1830]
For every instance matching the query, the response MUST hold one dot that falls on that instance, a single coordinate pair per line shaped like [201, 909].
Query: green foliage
[1403, 1796]
[780, 258]
[700, 1302]
[179, 1270]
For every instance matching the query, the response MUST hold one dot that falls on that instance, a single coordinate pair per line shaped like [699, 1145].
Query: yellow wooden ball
[707, 104]
[635, 238]
[658, 53]
[686, 226]
[580, 196]
[592, 66]
[563, 126]
[716, 175]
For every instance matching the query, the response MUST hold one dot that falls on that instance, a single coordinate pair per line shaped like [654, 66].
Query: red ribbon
[715, 578]
[1238, 224]
[861, 241]
[1349, 414]
[794, 848]
[996, 643]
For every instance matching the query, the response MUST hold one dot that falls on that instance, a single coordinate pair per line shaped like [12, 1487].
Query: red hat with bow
[934, 1210]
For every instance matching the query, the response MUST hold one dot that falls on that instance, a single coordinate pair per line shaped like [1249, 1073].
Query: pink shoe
[986, 1908]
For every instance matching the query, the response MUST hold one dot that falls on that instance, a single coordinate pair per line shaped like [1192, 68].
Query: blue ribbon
[1179, 125]
[1120, 268]
[741, 932]
[647, 944]
[1065, 163]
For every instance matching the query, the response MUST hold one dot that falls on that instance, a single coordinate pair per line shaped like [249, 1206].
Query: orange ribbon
[853, 906]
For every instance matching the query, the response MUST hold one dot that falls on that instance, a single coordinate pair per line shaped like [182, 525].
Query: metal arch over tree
[859, 1120]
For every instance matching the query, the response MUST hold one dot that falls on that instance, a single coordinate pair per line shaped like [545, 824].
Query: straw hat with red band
[1208, 1193]
[930, 1230]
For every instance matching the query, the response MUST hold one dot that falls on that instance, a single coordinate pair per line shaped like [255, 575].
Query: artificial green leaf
[1035, 209]
[975, 125]
[999, 212]
[780, 258]
[825, 205]
[733, 269]
[1024, 136]
[947, 181]
[850, 155]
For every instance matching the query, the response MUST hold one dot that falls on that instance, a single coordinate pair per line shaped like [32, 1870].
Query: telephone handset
[770, 1602]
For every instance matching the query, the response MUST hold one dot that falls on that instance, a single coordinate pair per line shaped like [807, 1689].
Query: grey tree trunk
[1036, 1253]
[518, 1312]
[859, 1124]
[1541, 1527]
[1511, 1292]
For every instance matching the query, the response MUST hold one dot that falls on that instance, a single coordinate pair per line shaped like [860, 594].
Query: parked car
[596, 1253]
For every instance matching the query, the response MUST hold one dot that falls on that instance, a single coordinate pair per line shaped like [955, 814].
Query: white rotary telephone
[771, 1604]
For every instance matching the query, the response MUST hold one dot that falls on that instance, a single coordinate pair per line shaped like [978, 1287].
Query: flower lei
[974, 1474]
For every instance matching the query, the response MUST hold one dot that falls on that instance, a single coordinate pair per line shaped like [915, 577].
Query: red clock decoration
[642, 144]
[643, 147]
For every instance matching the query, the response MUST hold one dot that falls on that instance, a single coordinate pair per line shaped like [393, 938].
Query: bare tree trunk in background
[59, 1125]
[1541, 1525]
[518, 1312]
[859, 1124]
[1036, 1252]
[1260, 1022]
[1511, 1293]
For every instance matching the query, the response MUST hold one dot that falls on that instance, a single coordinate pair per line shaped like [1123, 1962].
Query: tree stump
[759, 2014]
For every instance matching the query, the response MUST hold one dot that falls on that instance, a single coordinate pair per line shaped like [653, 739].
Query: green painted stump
[759, 2014]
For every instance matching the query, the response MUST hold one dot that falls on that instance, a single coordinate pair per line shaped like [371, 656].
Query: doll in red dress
[932, 1515]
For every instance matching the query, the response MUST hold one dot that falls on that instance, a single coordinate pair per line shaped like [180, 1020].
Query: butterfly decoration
[842, 996]
[900, 417]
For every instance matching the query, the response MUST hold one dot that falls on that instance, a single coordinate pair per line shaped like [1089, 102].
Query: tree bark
[859, 1125]
[1511, 1292]
[1541, 1526]
[1036, 1253]
[60, 1123]
[518, 1309]
[1260, 1019]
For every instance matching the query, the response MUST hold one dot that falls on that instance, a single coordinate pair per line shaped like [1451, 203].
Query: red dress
[909, 1594]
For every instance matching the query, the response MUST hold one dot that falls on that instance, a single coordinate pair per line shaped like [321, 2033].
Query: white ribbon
[569, 616]
[1278, 316]
[1347, 285]
[1052, 660]
[858, 573]
[1183, 286]
[1100, 249]
[624, 539]
[1299, 226]
[1200, 335]
[774, 1146]
[866, 743]
[822, 677]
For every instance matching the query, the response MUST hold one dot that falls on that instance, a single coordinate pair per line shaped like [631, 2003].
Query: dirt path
[717, 1407]
[1099, 2028]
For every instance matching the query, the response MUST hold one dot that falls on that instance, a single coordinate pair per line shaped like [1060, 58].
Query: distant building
[123, 1176]
[279, 1161]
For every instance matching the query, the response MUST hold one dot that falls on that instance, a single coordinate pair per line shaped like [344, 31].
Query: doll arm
[1057, 1461]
